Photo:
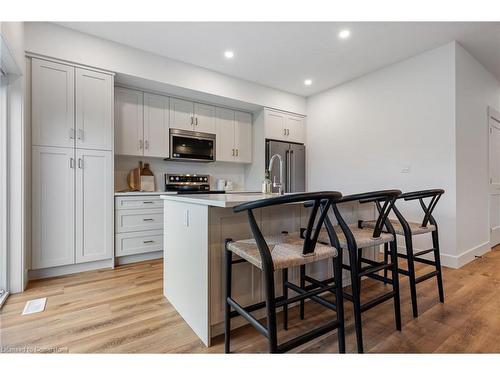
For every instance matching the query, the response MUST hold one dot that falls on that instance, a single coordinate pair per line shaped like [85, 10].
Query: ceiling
[283, 54]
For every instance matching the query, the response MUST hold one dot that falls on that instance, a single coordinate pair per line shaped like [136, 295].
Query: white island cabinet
[195, 228]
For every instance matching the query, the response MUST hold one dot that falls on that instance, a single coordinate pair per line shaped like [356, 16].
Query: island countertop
[218, 200]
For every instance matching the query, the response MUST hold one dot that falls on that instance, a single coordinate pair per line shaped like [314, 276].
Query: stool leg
[302, 285]
[437, 260]
[395, 284]
[284, 274]
[339, 300]
[356, 298]
[386, 260]
[271, 309]
[227, 317]
[411, 274]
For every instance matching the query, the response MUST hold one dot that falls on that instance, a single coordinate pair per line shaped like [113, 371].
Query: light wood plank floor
[123, 311]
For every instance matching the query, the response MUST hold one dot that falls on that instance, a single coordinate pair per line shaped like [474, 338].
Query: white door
[204, 118]
[494, 151]
[94, 205]
[129, 137]
[243, 137]
[53, 206]
[225, 135]
[94, 110]
[181, 114]
[294, 126]
[52, 104]
[274, 125]
[156, 137]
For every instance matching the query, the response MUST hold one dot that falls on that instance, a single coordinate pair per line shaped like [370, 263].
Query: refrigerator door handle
[288, 180]
[292, 166]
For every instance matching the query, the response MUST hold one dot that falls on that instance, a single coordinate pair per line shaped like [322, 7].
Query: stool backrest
[316, 199]
[433, 194]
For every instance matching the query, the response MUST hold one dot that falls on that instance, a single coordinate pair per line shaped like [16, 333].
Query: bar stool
[281, 252]
[354, 238]
[408, 230]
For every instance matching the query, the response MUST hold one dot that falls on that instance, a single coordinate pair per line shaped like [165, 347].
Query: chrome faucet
[276, 184]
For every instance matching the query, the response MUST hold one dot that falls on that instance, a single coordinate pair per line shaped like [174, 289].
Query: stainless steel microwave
[191, 146]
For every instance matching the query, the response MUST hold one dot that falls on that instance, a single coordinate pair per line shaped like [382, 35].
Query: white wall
[476, 89]
[13, 34]
[363, 133]
[66, 44]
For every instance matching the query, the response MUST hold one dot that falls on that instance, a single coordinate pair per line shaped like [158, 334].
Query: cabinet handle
[147, 219]
[237, 152]
[196, 121]
[147, 145]
[140, 144]
[287, 131]
[80, 134]
[71, 133]
[232, 152]
[284, 131]
[192, 120]
[71, 163]
[80, 163]
[148, 241]
[147, 202]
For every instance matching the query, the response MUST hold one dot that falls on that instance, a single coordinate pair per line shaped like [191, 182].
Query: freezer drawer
[138, 242]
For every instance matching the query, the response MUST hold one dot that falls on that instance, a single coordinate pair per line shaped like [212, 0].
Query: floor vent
[34, 306]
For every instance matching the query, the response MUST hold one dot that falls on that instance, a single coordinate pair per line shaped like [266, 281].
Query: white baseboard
[458, 261]
[127, 259]
[69, 269]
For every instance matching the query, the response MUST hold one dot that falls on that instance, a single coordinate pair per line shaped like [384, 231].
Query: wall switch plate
[34, 306]
[406, 168]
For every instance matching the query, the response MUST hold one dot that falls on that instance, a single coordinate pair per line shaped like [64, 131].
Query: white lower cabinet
[138, 225]
[53, 207]
[72, 206]
[94, 205]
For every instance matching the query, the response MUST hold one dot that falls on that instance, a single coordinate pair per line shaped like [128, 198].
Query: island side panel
[185, 281]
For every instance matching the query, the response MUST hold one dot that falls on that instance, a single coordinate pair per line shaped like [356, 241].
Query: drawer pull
[148, 241]
[148, 202]
[147, 219]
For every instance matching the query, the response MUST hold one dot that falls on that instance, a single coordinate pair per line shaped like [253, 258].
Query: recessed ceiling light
[308, 82]
[228, 54]
[344, 34]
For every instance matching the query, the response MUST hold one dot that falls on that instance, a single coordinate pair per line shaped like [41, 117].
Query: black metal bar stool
[408, 230]
[354, 238]
[280, 253]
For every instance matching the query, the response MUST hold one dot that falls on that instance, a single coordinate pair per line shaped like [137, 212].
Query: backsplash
[228, 171]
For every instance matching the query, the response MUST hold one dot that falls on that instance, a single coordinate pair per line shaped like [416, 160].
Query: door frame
[4, 276]
[493, 120]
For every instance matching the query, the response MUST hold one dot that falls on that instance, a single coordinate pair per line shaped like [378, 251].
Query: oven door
[191, 146]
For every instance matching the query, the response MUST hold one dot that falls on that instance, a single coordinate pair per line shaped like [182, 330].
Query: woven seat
[286, 251]
[416, 228]
[363, 236]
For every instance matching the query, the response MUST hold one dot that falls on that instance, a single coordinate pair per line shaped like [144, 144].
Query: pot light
[308, 82]
[344, 34]
[228, 54]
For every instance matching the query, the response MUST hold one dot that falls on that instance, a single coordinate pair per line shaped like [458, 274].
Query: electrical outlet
[406, 168]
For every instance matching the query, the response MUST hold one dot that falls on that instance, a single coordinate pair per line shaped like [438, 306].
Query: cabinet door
[128, 122]
[225, 135]
[94, 205]
[243, 137]
[94, 110]
[204, 118]
[156, 137]
[181, 114]
[274, 125]
[52, 98]
[53, 205]
[294, 126]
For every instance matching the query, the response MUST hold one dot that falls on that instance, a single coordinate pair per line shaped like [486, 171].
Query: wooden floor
[124, 311]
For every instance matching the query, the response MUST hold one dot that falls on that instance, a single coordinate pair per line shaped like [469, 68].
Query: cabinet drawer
[138, 220]
[128, 203]
[138, 242]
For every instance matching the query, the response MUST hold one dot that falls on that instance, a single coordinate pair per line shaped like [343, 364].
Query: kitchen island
[195, 228]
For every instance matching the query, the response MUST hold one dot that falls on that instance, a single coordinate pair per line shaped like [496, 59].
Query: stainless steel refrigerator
[294, 165]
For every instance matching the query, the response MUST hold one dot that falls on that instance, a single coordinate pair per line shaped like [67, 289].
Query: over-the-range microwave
[188, 145]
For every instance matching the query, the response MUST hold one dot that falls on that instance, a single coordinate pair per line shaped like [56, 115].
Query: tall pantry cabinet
[72, 164]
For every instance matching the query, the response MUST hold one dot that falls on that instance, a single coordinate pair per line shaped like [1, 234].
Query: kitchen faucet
[276, 184]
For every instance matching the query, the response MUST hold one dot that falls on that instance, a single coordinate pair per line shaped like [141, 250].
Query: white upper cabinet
[283, 126]
[53, 189]
[181, 114]
[234, 136]
[94, 110]
[156, 114]
[204, 118]
[52, 108]
[243, 137]
[94, 205]
[129, 136]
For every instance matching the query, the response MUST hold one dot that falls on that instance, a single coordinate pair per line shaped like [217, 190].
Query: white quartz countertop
[218, 200]
[132, 193]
